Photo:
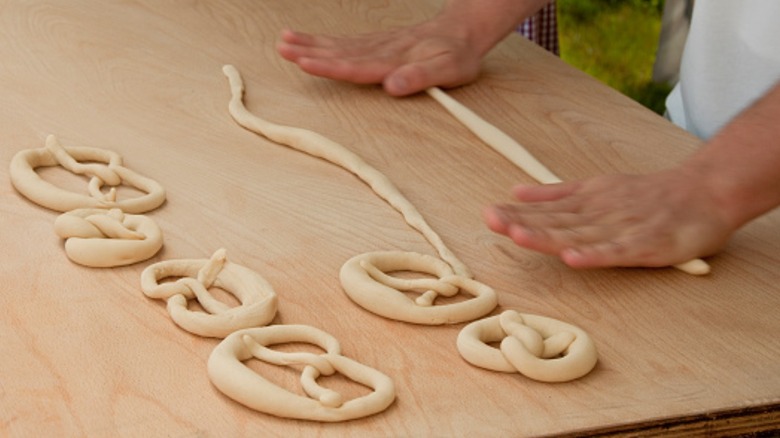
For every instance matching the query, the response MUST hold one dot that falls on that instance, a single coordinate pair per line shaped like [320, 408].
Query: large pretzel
[104, 168]
[538, 347]
[365, 280]
[229, 374]
[104, 238]
[257, 297]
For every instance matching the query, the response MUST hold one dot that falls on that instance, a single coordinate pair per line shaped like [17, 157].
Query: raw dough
[319, 146]
[105, 238]
[228, 373]
[520, 157]
[257, 297]
[365, 281]
[538, 347]
[28, 183]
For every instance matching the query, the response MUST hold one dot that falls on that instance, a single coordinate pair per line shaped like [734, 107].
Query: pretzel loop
[102, 167]
[231, 376]
[105, 238]
[365, 280]
[257, 297]
[538, 347]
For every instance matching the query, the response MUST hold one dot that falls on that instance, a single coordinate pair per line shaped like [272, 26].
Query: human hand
[653, 220]
[405, 61]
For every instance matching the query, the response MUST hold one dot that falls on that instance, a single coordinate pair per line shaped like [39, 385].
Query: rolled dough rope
[319, 146]
[365, 282]
[102, 238]
[520, 157]
[229, 374]
[31, 185]
[257, 297]
[560, 352]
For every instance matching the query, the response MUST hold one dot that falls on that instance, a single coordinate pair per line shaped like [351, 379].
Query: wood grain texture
[84, 353]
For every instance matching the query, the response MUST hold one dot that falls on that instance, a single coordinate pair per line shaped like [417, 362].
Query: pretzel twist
[105, 238]
[257, 297]
[228, 373]
[365, 280]
[104, 168]
[538, 347]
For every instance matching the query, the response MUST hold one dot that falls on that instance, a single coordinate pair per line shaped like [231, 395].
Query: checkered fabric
[542, 28]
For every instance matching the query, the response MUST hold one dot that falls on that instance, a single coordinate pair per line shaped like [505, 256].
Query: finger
[541, 193]
[356, 71]
[430, 72]
[304, 39]
[544, 240]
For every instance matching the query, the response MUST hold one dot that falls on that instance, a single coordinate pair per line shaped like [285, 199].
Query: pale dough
[319, 146]
[520, 157]
[365, 281]
[257, 297]
[105, 238]
[231, 376]
[538, 347]
[105, 169]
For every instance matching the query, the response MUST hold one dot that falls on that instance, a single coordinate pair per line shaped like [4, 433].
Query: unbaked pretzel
[229, 374]
[104, 168]
[105, 238]
[365, 280]
[257, 297]
[538, 347]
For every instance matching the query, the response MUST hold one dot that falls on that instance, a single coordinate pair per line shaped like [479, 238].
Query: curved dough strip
[319, 146]
[520, 157]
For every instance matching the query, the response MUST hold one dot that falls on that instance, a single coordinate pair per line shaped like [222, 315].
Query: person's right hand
[405, 61]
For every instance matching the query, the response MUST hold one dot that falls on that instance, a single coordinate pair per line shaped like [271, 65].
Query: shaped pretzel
[365, 280]
[257, 297]
[104, 168]
[538, 347]
[104, 238]
[229, 374]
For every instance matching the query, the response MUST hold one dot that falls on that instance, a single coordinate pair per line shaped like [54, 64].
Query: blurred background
[623, 43]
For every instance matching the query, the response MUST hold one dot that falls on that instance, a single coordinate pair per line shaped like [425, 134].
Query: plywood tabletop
[84, 353]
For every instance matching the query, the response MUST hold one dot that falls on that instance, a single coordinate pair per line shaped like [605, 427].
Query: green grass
[615, 41]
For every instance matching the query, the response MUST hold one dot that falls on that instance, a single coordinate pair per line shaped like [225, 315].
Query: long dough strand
[319, 146]
[520, 157]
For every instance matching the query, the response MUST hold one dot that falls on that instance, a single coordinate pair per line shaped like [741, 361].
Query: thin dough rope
[319, 146]
[520, 157]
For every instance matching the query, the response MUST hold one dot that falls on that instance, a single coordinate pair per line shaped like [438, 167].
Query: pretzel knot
[365, 280]
[538, 347]
[229, 374]
[103, 168]
[104, 238]
[257, 297]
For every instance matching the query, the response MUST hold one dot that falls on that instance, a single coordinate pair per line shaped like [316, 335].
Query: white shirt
[731, 58]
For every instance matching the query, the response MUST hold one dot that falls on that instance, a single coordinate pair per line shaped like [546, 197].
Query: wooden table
[84, 353]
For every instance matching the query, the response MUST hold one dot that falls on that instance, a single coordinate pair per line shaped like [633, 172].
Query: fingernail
[397, 85]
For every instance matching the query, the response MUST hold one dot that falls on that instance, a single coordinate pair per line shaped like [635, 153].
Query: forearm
[741, 164]
[486, 23]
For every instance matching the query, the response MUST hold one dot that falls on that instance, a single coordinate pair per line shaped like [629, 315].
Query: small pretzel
[110, 172]
[538, 347]
[365, 280]
[228, 373]
[257, 297]
[104, 238]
